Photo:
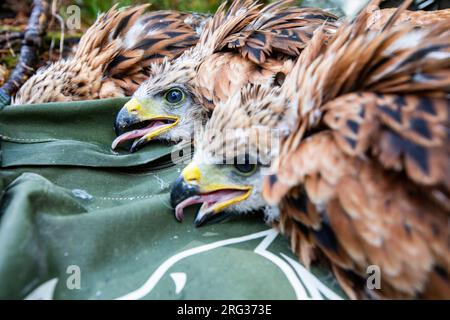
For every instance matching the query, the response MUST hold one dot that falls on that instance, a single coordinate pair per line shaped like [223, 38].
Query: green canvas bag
[79, 221]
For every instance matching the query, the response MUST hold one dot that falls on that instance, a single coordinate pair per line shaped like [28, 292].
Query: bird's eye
[174, 96]
[245, 167]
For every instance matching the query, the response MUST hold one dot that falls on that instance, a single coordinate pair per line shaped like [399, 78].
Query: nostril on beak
[191, 174]
[124, 120]
[192, 180]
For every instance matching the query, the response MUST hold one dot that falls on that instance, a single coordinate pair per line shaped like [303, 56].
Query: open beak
[194, 186]
[141, 122]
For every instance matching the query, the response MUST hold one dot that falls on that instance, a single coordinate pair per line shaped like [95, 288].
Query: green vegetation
[90, 8]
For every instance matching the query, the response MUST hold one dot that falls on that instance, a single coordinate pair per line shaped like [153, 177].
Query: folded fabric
[79, 221]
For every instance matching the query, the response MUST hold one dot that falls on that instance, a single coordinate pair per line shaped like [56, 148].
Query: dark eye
[174, 95]
[244, 166]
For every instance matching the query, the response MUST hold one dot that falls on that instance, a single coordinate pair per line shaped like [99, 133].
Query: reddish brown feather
[112, 58]
[253, 48]
[419, 18]
[286, 30]
[375, 165]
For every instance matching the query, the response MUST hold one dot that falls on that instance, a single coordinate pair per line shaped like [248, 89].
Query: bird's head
[164, 107]
[222, 188]
[232, 154]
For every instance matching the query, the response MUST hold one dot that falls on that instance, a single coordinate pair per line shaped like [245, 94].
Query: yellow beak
[205, 186]
[142, 120]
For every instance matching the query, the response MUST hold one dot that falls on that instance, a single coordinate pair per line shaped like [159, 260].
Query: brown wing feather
[162, 34]
[280, 30]
[403, 59]
[404, 132]
[226, 22]
[254, 51]
[223, 74]
[368, 217]
[114, 56]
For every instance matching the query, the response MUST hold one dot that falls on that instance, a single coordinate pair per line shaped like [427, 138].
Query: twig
[14, 38]
[61, 24]
[32, 40]
[61, 40]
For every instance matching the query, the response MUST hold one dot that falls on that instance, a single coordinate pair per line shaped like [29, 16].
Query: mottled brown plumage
[362, 177]
[418, 18]
[262, 47]
[365, 177]
[114, 56]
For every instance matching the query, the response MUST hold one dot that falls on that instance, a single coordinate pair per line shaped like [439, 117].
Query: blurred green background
[90, 8]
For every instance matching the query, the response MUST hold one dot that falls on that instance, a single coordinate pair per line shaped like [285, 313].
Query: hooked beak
[141, 122]
[191, 187]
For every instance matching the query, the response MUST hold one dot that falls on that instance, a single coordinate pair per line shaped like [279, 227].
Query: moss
[9, 61]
